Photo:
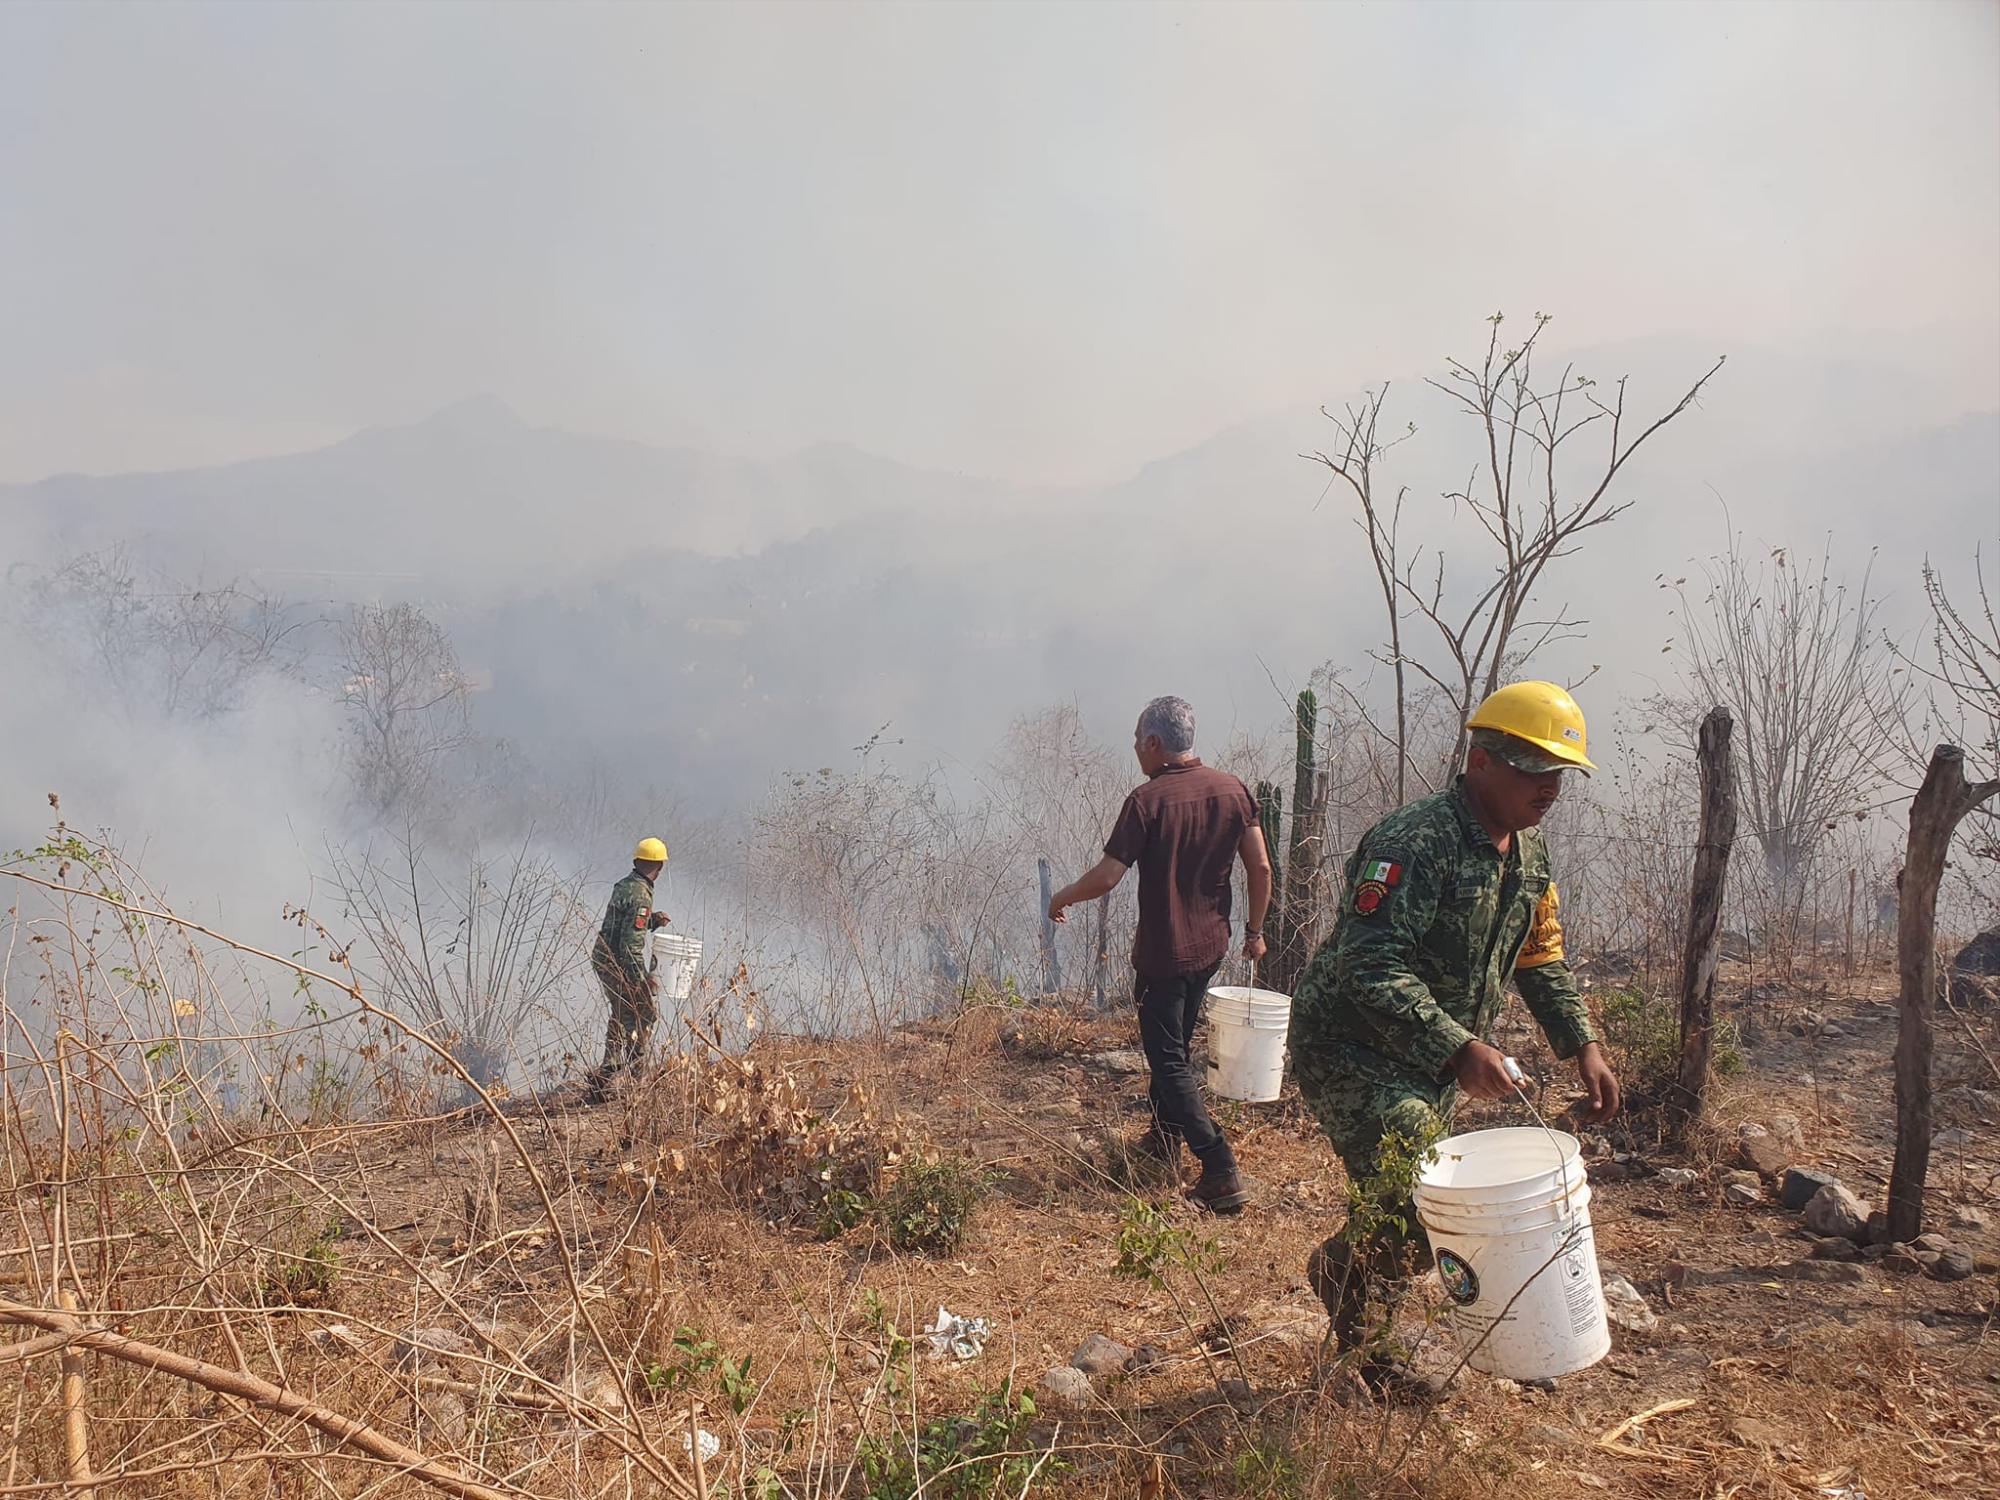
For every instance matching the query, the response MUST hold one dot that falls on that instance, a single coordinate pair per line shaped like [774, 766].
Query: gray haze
[1028, 242]
[734, 384]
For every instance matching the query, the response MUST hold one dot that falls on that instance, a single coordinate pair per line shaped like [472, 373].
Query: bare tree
[481, 958]
[1794, 655]
[886, 886]
[1950, 693]
[407, 697]
[187, 650]
[1534, 508]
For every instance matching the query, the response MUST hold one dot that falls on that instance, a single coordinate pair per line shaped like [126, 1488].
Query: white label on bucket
[1580, 1296]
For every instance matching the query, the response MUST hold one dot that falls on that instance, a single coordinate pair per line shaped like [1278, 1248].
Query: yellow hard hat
[653, 851]
[1542, 714]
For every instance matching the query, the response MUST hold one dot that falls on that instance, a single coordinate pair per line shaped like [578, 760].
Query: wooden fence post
[1940, 804]
[1051, 970]
[1851, 873]
[1103, 956]
[1704, 929]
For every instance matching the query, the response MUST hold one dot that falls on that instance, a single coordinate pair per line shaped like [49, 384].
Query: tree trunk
[1704, 929]
[1940, 804]
[1051, 970]
[1294, 908]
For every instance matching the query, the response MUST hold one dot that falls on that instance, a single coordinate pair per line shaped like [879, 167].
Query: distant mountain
[719, 618]
[471, 500]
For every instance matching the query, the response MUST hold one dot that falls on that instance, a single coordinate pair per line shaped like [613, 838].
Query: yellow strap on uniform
[1545, 934]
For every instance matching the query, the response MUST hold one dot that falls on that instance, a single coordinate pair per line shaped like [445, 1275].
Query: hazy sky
[1037, 242]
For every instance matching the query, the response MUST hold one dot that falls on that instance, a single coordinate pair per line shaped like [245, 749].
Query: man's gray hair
[1171, 721]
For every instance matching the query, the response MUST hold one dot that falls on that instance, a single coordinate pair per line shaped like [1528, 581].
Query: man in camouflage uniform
[1447, 898]
[619, 958]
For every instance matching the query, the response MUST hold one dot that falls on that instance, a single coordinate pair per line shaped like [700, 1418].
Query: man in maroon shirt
[1184, 829]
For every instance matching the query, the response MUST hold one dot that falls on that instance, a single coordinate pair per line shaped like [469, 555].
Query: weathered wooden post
[1293, 903]
[1851, 872]
[1940, 804]
[1704, 929]
[1103, 955]
[1051, 970]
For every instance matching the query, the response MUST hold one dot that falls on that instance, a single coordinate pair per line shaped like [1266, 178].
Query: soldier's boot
[1341, 1280]
[1342, 1289]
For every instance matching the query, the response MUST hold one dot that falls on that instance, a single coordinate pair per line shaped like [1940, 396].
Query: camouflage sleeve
[1546, 984]
[1390, 906]
[625, 923]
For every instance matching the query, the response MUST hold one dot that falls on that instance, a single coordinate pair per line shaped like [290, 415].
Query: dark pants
[1169, 1011]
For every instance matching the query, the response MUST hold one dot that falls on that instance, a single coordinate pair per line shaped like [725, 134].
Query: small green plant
[1149, 1245]
[1378, 1205]
[930, 1205]
[694, 1357]
[839, 1211]
[1268, 1470]
[893, 1349]
[309, 1279]
[1645, 1031]
[981, 1456]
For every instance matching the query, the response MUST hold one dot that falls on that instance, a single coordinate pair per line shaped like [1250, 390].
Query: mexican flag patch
[1372, 886]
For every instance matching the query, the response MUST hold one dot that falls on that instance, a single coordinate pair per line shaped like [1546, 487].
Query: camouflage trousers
[633, 1014]
[1360, 1097]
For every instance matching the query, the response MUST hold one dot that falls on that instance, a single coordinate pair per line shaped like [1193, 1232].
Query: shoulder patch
[1373, 882]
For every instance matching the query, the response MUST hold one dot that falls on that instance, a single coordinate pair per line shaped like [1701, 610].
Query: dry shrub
[761, 1138]
[1042, 1033]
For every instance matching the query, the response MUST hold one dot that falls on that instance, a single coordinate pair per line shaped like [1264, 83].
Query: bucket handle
[1518, 1078]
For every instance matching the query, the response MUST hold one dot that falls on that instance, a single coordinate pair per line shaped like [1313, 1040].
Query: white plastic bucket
[675, 958]
[1246, 1042]
[1508, 1215]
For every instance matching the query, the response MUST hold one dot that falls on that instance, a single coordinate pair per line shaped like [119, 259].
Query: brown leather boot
[1221, 1191]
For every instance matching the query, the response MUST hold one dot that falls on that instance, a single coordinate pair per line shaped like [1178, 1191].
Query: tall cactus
[1271, 816]
[1294, 918]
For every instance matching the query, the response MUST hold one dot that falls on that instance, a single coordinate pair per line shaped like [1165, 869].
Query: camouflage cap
[1519, 754]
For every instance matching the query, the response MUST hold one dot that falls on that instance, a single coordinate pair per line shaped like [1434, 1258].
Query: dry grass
[542, 1300]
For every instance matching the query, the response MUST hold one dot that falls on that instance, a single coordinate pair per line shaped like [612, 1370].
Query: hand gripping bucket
[675, 958]
[1508, 1215]
[1246, 1042]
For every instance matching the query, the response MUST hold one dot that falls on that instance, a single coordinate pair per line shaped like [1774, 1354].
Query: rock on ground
[1742, 1195]
[1101, 1356]
[1951, 1265]
[1799, 1186]
[1835, 1210]
[1625, 1308]
[1981, 955]
[1831, 1272]
[1068, 1386]
[1787, 1132]
[1762, 1151]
